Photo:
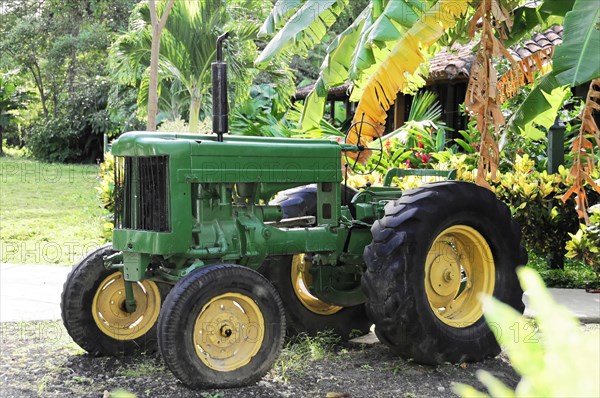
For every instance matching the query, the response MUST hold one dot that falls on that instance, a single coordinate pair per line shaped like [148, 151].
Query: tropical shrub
[15, 151]
[534, 200]
[575, 274]
[262, 114]
[554, 357]
[54, 140]
[584, 245]
[532, 196]
[74, 133]
[106, 190]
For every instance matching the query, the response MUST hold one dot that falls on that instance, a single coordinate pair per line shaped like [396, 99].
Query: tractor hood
[202, 159]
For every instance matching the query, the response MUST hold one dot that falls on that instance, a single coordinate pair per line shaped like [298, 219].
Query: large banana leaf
[575, 61]
[379, 39]
[536, 103]
[282, 10]
[546, 118]
[334, 72]
[304, 29]
[404, 60]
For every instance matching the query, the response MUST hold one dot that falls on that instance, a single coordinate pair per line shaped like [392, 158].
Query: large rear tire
[93, 310]
[304, 312]
[433, 253]
[221, 326]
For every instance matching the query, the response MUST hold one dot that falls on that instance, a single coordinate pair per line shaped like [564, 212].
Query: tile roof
[457, 62]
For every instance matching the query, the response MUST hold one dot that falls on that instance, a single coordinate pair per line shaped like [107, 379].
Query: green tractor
[211, 270]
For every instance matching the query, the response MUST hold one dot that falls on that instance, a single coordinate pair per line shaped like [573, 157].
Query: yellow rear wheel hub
[301, 280]
[228, 332]
[459, 266]
[108, 308]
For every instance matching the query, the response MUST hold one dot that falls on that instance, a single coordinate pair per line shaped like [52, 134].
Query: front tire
[433, 253]
[92, 309]
[221, 326]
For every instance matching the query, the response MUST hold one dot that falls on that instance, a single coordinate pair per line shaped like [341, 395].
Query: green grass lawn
[49, 213]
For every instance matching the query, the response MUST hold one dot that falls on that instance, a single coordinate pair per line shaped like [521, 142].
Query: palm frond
[304, 29]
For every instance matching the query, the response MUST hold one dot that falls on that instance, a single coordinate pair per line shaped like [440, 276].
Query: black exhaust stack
[219, 92]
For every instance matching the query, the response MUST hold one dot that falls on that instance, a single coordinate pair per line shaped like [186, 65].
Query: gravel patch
[40, 359]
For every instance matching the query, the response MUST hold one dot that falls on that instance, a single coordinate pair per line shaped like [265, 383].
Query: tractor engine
[183, 201]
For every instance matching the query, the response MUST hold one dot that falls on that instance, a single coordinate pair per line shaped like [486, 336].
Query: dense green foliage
[187, 50]
[86, 64]
[12, 100]
[575, 274]
[59, 50]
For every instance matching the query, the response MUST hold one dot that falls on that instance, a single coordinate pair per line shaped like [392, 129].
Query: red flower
[420, 144]
[407, 163]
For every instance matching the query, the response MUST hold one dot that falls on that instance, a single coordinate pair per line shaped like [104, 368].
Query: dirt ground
[39, 359]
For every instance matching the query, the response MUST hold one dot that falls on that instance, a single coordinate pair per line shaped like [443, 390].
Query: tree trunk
[43, 99]
[37, 78]
[153, 84]
[194, 116]
[157, 27]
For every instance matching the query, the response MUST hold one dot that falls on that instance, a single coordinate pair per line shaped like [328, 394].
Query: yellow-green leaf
[405, 58]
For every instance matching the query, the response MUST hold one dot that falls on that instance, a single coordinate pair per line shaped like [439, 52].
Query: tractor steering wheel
[358, 126]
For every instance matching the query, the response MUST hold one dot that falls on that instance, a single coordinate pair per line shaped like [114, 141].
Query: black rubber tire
[302, 201]
[348, 322]
[297, 202]
[394, 280]
[76, 309]
[182, 307]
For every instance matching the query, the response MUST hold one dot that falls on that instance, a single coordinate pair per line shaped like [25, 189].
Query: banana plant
[354, 54]
[384, 50]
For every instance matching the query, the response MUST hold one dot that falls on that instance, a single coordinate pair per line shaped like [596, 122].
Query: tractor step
[305, 221]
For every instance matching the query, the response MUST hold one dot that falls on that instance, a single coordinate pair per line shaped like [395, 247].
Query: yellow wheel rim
[459, 266]
[228, 332]
[108, 308]
[301, 280]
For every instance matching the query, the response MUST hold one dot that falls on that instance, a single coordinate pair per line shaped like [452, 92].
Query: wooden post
[556, 157]
[332, 111]
[399, 106]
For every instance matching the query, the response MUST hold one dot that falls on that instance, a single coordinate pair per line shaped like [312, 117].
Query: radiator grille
[142, 193]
